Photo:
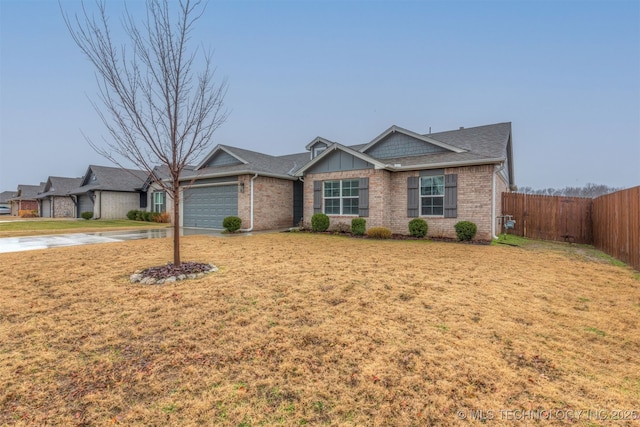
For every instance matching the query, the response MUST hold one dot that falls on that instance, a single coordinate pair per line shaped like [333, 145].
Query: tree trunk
[176, 224]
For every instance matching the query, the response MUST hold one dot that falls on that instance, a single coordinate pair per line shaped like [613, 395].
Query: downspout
[493, 200]
[98, 196]
[251, 228]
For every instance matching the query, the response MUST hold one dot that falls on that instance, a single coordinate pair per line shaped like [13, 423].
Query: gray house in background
[4, 198]
[55, 202]
[109, 192]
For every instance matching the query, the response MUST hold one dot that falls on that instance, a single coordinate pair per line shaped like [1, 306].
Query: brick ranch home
[25, 199]
[442, 177]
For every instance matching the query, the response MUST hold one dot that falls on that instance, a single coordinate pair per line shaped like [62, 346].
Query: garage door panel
[46, 208]
[206, 207]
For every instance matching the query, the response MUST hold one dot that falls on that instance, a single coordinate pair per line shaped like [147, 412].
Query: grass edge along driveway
[14, 227]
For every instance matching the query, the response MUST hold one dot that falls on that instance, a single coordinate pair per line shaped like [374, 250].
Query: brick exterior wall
[379, 196]
[272, 203]
[388, 199]
[24, 205]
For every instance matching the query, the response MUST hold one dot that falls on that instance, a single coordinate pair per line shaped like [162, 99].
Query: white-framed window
[432, 195]
[341, 197]
[159, 204]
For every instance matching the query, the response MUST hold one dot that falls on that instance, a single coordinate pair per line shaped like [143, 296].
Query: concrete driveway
[17, 244]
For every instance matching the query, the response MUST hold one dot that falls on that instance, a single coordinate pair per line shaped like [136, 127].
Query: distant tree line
[590, 190]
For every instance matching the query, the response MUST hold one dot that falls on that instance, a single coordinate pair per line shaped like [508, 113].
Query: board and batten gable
[399, 144]
[337, 161]
[221, 159]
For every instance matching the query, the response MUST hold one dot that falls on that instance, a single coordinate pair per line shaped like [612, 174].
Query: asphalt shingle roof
[257, 163]
[6, 195]
[112, 179]
[28, 192]
[489, 140]
[59, 186]
[480, 143]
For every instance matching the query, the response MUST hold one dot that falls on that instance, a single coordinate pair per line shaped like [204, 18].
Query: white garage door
[206, 207]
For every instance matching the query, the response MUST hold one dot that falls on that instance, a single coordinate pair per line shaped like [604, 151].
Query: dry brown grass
[314, 329]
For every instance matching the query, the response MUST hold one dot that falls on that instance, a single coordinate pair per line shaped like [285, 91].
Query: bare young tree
[157, 108]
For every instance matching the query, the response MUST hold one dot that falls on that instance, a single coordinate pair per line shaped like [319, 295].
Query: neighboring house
[25, 199]
[443, 177]
[259, 188]
[109, 192]
[4, 198]
[55, 202]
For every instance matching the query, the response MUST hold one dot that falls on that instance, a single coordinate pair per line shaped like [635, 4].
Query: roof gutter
[236, 173]
[445, 164]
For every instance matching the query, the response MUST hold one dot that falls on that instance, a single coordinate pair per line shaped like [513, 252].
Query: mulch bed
[171, 273]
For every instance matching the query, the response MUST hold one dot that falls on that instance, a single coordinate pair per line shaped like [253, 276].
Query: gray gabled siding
[338, 161]
[222, 159]
[401, 145]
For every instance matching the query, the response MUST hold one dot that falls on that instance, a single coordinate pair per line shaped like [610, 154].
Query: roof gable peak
[219, 149]
[424, 138]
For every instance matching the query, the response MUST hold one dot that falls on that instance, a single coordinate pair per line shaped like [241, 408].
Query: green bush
[147, 216]
[418, 227]
[319, 222]
[465, 230]
[232, 224]
[87, 215]
[132, 214]
[139, 216]
[358, 226]
[379, 233]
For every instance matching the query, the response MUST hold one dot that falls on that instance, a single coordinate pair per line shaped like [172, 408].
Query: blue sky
[566, 74]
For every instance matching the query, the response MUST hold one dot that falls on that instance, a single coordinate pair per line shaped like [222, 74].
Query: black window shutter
[143, 200]
[317, 197]
[363, 197]
[451, 195]
[164, 202]
[413, 196]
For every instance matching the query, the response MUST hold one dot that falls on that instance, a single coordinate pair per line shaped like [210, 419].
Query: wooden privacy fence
[610, 222]
[616, 225]
[564, 219]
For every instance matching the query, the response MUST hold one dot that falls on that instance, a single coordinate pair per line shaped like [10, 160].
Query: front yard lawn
[300, 329]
